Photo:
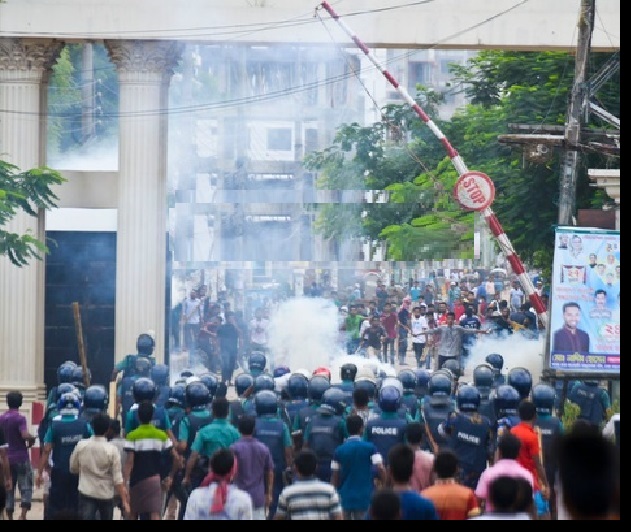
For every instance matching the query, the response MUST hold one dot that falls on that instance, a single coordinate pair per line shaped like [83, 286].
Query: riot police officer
[176, 405]
[144, 389]
[297, 390]
[64, 432]
[422, 382]
[160, 375]
[212, 384]
[51, 409]
[125, 388]
[435, 409]
[483, 380]
[592, 400]
[496, 361]
[273, 432]
[388, 428]
[454, 366]
[550, 427]
[262, 382]
[409, 398]
[326, 430]
[317, 386]
[471, 437]
[145, 345]
[243, 386]
[348, 372]
[521, 380]
[78, 379]
[256, 364]
[197, 399]
[95, 401]
[64, 375]
[506, 401]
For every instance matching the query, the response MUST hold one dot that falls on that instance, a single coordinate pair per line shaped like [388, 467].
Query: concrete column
[144, 70]
[23, 65]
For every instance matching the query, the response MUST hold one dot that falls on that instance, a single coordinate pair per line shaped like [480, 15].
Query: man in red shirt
[389, 322]
[530, 454]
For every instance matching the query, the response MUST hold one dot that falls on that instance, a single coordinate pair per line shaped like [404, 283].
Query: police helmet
[317, 386]
[64, 371]
[186, 373]
[95, 397]
[264, 382]
[407, 377]
[69, 401]
[496, 361]
[391, 381]
[506, 401]
[177, 395]
[211, 383]
[468, 398]
[543, 397]
[256, 362]
[454, 366]
[367, 384]
[144, 389]
[160, 374]
[389, 398]
[439, 384]
[336, 399]
[65, 387]
[422, 377]
[521, 380]
[265, 402]
[242, 382]
[483, 376]
[145, 344]
[197, 394]
[348, 372]
[142, 365]
[280, 371]
[297, 386]
[77, 376]
[322, 371]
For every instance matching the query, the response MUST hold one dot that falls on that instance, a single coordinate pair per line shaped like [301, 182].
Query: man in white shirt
[418, 326]
[259, 330]
[98, 464]
[191, 319]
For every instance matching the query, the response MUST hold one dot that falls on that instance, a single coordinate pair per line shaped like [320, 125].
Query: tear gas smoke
[304, 333]
[516, 350]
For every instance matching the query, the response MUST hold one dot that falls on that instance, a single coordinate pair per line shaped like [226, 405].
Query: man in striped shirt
[308, 498]
[148, 456]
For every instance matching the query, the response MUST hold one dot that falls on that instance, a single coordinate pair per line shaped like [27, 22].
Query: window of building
[279, 139]
[420, 72]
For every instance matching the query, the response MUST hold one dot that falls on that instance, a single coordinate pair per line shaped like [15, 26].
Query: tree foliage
[400, 155]
[28, 192]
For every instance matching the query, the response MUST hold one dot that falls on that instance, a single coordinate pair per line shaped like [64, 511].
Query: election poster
[584, 308]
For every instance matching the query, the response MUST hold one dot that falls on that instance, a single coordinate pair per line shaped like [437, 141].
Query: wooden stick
[79, 330]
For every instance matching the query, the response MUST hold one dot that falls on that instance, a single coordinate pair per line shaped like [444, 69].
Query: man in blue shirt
[352, 470]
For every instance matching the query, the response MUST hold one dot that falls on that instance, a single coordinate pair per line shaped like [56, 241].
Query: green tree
[28, 192]
[504, 88]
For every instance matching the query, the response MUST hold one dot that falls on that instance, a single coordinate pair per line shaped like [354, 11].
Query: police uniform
[323, 434]
[592, 400]
[64, 432]
[274, 433]
[471, 438]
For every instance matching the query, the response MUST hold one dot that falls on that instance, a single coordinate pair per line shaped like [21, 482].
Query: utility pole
[577, 114]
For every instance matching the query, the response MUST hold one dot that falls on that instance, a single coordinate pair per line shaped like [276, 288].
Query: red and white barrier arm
[480, 197]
